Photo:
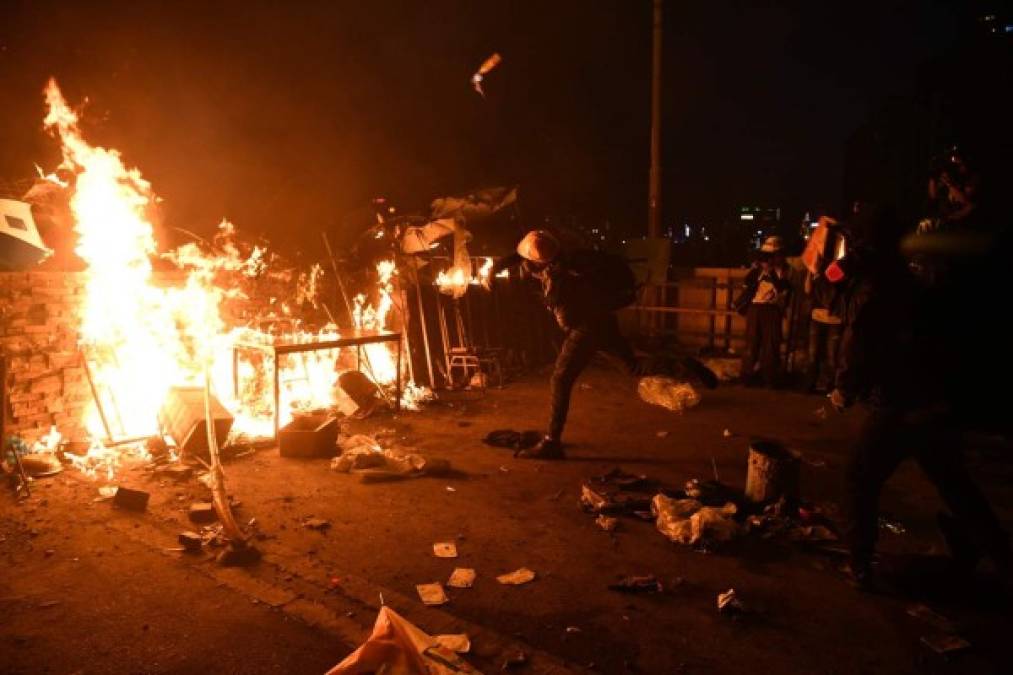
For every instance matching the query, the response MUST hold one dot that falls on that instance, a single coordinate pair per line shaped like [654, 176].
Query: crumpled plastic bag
[398, 647]
[714, 524]
[673, 517]
[365, 455]
[687, 521]
[668, 393]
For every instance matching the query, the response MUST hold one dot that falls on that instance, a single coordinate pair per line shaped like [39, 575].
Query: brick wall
[38, 335]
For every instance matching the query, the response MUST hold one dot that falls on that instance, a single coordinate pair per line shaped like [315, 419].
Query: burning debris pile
[152, 322]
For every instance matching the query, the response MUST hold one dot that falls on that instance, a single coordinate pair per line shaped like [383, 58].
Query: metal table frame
[354, 338]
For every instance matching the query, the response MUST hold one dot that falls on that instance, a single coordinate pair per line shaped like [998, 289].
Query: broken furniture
[472, 360]
[182, 417]
[308, 436]
[357, 338]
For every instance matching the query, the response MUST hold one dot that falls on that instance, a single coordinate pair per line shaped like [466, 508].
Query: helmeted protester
[583, 289]
[763, 299]
[896, 357]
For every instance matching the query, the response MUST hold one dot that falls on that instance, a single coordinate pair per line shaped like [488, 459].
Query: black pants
[579, 347]
[888, 437]
[824, 339]
[763, 342]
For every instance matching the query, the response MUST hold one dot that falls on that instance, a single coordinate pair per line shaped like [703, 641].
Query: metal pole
[654, 196]
[425, 330]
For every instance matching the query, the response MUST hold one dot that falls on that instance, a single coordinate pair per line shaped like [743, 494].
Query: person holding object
[763, 299]
[583, 289]
[826, 244]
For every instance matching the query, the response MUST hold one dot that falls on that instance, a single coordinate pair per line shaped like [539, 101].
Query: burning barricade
[215, 329]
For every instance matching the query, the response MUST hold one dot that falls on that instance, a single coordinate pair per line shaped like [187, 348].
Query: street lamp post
[654, 195]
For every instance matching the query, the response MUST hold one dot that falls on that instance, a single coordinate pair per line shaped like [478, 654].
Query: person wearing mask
[763, 299]
[826, 244]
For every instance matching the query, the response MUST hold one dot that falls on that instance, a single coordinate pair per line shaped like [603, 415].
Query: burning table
[357, 338]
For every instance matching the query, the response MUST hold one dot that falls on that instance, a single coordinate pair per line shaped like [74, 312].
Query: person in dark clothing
[584, 308]
[891, 355]
[825, 245]
[762, 299]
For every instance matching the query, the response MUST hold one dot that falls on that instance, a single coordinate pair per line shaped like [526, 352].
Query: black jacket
[887, 355]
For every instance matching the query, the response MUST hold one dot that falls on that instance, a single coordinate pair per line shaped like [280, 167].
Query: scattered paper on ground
[462, 577]
[729, 603]
[445, 549]
[455, 643]
[432, 594]
[521, 576]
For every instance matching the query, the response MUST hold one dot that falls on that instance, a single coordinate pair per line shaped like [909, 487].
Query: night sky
[287, 117]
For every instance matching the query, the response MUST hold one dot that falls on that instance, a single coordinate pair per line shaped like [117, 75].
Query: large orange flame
[141, 338]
